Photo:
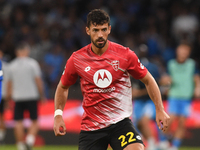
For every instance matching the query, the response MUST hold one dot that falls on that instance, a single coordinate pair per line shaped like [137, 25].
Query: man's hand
[59, 126]
[162, 119]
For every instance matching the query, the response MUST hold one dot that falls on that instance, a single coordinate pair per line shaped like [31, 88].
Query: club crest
[115, 64]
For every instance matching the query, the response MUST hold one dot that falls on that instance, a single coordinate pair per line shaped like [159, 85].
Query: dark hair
[185, 43]
[21, 45]
[97, 17]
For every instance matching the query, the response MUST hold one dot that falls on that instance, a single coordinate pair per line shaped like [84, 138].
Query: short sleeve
[135, 67]
[69, 75]
[36, 69]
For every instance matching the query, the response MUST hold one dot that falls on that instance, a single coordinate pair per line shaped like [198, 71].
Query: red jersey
[105, 83]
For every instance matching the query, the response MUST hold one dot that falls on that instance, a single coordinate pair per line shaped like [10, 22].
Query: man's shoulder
[172, 61]
[28, 61]
[31, 61]
[82, 50]
[117, 46]
[191, 61]
[13, 62]
[119, 50]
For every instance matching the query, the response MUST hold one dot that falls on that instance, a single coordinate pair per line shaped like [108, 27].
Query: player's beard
[99, 45]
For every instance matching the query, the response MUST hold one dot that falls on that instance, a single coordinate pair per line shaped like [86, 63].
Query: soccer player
[104, 68]
[25, 87]
[185, 83]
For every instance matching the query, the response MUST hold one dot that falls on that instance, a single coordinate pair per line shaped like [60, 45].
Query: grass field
[57, 147]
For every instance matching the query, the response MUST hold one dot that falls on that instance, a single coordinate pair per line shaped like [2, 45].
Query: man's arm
[162, 118]
[8, 96]
[8, 90]
[60, 99]
[39, 84]
[197, 86]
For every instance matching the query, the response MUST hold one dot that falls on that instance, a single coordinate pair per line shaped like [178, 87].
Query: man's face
[183, 52]
[23, 52]
[99, 34]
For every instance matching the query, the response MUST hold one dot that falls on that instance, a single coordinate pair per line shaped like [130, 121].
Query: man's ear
[87, 30]
[109, 28]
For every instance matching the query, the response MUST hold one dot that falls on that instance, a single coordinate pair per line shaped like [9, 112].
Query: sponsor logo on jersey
[104, 90]
[87, 68]
[115, 64]
[138, 137]
[102, 78]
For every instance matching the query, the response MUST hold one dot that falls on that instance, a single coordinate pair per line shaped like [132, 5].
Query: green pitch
[58, 147]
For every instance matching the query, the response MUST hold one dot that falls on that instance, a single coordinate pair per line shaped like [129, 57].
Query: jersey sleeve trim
[69, 75]
[135, 67]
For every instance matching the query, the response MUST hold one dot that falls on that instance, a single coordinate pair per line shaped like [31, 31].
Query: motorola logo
[102, 78]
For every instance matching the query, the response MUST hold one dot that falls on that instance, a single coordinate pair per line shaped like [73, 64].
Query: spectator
[25, 88]
[185, 83]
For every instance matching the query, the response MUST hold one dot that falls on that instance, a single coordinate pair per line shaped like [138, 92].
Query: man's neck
[22, 56]
[99, 51]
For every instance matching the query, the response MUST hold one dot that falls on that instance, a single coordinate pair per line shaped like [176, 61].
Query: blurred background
[55, 29]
